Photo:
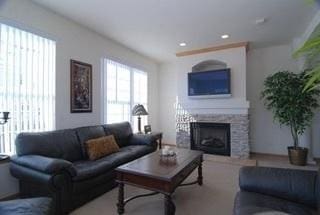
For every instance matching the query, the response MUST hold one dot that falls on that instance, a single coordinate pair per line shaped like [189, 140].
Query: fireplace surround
[239, 130]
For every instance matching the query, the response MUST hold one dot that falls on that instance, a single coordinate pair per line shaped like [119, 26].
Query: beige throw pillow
[100, 147]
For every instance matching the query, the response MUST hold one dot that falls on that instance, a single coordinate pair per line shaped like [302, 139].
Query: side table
[158, 137]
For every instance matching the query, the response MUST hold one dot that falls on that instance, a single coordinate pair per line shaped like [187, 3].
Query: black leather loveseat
[55, 163]
[277, 191]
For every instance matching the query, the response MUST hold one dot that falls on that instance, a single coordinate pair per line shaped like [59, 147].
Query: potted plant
[291, 106]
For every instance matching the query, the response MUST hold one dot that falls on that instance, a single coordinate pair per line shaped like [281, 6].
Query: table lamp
[139, 110]
[4, 118]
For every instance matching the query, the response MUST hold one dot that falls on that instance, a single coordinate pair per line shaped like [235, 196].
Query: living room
[73, 72]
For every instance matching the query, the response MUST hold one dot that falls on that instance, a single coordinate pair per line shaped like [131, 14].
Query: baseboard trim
[268, 154]
[10, 197]
[230, 160]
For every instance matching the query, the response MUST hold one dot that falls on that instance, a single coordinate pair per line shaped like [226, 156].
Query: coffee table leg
[200, 178]
[121, 198]
[160, 142]
[169, 207]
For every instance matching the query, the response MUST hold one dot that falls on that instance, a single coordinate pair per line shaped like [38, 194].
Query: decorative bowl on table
[168, 156]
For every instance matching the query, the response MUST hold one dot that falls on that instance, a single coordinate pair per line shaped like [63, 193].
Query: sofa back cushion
[121, 131]
[295, 185]
[87, 133]
[57, 144]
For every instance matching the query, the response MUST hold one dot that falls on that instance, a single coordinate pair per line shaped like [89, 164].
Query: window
[27, 84]
[140, 95]
[124, 87]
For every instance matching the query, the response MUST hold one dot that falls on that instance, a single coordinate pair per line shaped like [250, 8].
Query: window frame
[104, 86]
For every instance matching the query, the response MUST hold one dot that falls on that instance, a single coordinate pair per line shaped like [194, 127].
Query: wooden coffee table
[160, 175]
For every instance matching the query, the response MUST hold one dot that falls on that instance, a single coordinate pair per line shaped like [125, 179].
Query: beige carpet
[216, 196]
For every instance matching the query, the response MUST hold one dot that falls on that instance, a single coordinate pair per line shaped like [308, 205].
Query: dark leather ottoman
[33, 206]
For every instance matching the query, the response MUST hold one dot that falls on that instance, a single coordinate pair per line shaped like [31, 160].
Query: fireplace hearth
[213, 138]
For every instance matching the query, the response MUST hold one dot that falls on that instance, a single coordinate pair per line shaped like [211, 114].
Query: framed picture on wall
[80, 87]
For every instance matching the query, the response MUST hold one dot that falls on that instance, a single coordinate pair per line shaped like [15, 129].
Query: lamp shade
[139, 110]
[5, 115]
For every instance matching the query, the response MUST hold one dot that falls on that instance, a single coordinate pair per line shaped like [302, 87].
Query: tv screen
[215, 82]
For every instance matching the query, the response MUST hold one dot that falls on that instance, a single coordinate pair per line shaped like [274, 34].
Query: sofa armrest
[143, 139]
[294, 185]
[44, 164]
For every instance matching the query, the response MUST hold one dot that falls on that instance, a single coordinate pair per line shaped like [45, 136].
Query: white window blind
[124, 87]
[27, 84]
[140, 95]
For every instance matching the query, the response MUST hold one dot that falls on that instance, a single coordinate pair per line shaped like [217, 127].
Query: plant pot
[298, 156]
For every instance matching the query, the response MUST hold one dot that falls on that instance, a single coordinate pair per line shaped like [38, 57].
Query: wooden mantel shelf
[214, 48]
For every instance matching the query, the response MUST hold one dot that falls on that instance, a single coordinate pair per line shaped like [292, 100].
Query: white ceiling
[154, 28]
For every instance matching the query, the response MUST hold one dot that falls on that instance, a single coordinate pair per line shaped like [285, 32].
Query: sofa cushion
[87, 169]
[100, 147]
[121, 131]
[87, 133]
[62, 144]
[247, 203]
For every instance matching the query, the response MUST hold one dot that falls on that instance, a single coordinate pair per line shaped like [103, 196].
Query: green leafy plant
[291, 106]
[311, 50]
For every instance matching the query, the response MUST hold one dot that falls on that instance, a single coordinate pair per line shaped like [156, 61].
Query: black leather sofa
[55, 163]
[277, 191]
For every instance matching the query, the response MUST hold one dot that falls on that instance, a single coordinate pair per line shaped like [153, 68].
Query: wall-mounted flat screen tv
[214, 83]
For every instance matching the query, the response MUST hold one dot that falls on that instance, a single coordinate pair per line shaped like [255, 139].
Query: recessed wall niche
[209, 65]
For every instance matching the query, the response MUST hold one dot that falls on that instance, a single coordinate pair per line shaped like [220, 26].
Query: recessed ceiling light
[225, 36]
[182, 44]
[260, 21]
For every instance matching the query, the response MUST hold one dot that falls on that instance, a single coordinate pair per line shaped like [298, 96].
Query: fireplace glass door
[213, 138]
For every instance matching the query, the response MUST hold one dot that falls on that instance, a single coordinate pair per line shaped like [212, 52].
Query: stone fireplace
[239, 131]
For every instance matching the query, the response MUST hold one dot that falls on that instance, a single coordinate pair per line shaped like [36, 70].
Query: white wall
[265, 134]
[234, 58]
[173, 88]
[168, 89]
[79, 43]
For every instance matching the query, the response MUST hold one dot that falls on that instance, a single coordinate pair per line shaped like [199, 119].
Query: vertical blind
[27, 84]
[140, 95]
[124, 87]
